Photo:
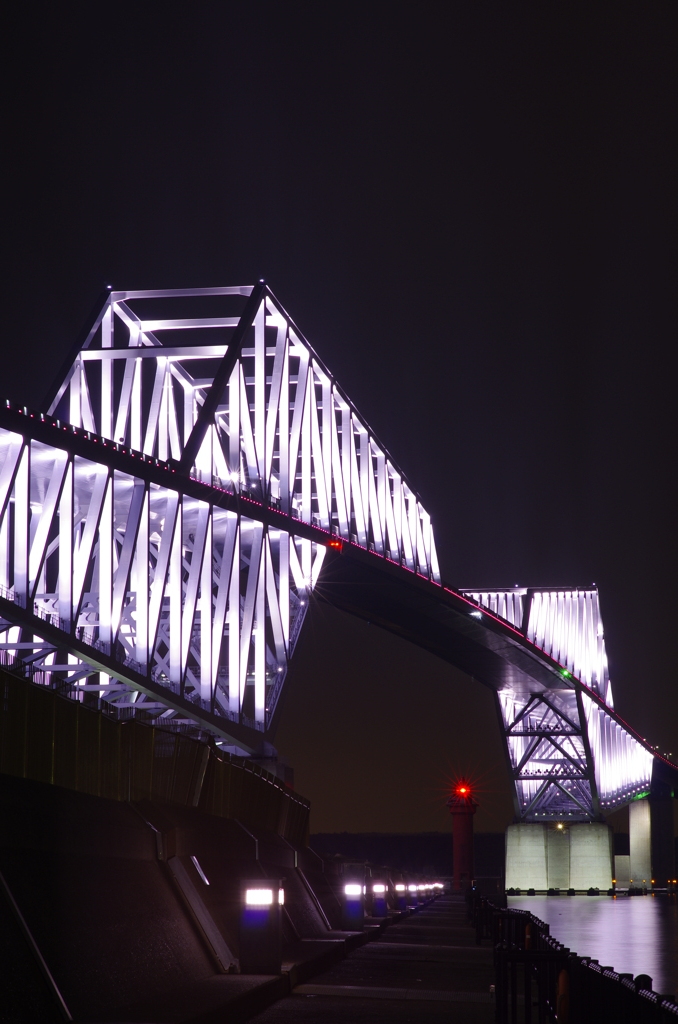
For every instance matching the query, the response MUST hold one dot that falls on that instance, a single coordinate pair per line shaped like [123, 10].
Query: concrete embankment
[125, 853]
[121, 912]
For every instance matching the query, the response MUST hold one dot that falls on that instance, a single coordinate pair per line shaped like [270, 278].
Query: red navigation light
[463, 789]
[336, 544]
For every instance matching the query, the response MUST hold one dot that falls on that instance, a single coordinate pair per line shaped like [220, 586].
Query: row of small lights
[87, 435]
[265, 897]
[335, 542]
[550, 814]
[605, 803]
[354, 889]
[669, 881]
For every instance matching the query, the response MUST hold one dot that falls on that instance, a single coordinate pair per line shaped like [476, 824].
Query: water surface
[633, 934]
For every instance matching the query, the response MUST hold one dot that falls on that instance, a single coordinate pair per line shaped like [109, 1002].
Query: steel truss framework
[569, 757]
[164, 522]
[168, 516]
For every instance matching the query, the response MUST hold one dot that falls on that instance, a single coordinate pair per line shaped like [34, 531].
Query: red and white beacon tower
[462, 808]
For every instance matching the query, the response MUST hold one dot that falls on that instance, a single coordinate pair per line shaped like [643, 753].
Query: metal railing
[9, 595]
[50, 739]
[538, 980]
[85, 635]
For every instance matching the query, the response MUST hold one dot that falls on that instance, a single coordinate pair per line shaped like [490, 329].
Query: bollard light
[379, 906]
[353, 907]
[259, 897]
[401, 896]
[260, 932]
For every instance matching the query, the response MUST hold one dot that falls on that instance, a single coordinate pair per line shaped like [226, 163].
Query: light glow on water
[633, 934]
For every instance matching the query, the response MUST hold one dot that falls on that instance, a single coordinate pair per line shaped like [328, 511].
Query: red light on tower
[462, 808]
[336, 543]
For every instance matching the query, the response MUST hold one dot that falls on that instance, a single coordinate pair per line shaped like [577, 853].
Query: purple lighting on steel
[207, 461]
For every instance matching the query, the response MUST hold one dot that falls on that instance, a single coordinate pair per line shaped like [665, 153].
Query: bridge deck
[167, 518]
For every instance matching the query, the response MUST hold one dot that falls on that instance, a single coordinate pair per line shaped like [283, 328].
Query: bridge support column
[526, 857]
[591, 856]
[640, 843]
[651, 845]
[559, 856]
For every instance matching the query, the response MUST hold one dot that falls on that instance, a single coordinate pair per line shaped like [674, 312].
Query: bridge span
[195, 476]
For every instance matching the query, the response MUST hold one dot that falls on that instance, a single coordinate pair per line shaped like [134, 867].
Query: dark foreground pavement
[103, 910]
[426, 968]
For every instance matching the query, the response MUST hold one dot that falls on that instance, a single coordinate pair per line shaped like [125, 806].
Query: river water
[633, 934]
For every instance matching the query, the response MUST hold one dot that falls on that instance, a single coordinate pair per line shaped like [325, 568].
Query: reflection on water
[633, 934]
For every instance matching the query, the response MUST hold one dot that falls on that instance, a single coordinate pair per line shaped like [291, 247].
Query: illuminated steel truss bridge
[196, 476]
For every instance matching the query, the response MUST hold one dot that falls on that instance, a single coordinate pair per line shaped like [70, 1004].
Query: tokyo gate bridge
[194, 474]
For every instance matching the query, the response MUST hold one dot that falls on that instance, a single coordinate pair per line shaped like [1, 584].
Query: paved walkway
[425, 969]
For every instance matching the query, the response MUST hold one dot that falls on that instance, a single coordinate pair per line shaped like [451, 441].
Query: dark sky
[470, 211]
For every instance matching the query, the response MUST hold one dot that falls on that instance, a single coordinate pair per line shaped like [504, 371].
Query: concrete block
[526, 857]
[640, 842]
[558, 858]
[544, 857]
[621, 870]
[591, 853]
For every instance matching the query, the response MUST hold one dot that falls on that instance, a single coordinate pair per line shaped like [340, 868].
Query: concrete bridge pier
[640, 843]
[651, 845]
[559, 855]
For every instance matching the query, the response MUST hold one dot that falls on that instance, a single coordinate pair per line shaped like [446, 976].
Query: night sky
[469, 209]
